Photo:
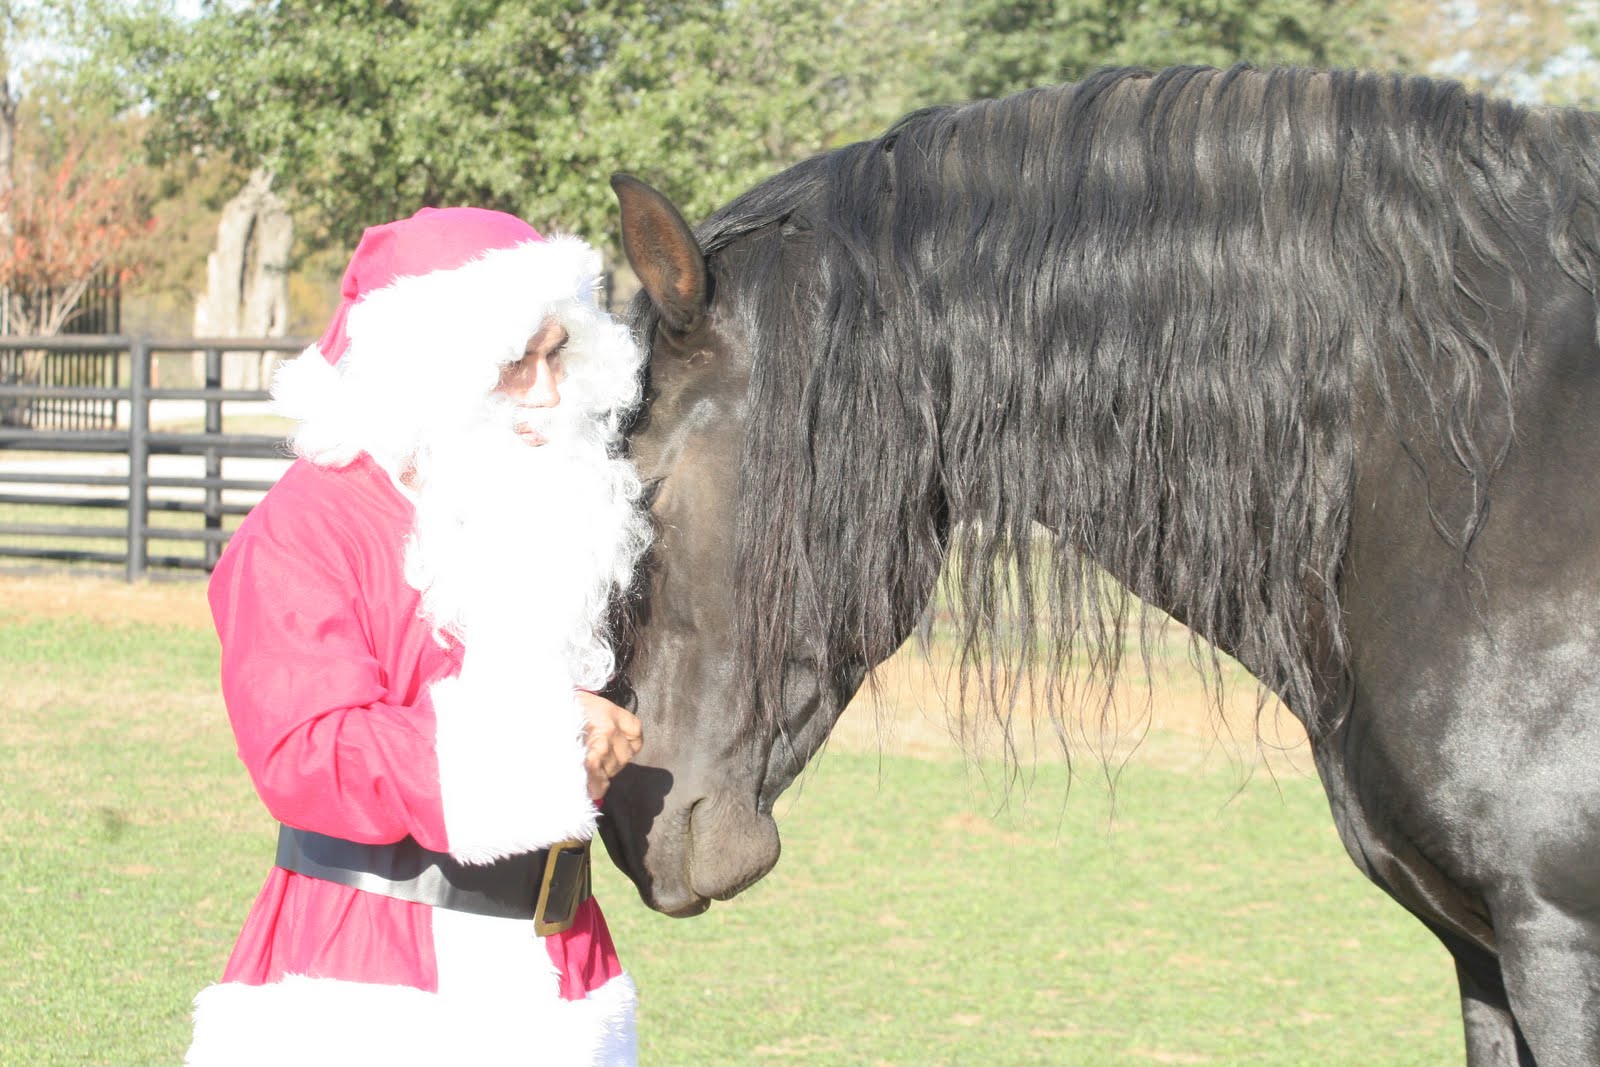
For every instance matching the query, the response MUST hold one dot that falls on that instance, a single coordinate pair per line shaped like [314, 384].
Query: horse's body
[1308, 361]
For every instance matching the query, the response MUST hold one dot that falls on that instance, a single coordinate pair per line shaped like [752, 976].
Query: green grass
[122, 840]
[921, 914]
[904, 925]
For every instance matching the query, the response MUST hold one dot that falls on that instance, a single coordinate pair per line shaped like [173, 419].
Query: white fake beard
[518, 549]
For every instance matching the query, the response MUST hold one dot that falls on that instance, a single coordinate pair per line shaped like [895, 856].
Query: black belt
[546, 886]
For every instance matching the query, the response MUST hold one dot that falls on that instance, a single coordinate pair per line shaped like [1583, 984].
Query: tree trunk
[247, 279]
[8, 154]
[8, 148]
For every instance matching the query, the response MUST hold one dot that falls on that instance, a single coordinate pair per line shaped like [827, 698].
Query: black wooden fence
[75, 410]
[27, 451]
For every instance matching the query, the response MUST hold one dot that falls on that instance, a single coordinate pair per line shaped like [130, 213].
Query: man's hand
[612, 736]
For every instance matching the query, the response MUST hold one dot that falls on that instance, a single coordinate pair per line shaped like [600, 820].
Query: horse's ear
[663, 253]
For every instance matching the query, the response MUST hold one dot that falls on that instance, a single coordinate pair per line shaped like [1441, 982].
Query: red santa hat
[433, 239]
[431, 308]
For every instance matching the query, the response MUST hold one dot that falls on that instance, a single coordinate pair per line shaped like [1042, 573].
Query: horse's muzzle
[681, 857]
[732, 847]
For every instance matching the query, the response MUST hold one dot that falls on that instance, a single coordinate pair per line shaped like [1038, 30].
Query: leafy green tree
[76, 201]
[1537, 51]
[74, 194]
[999, 46]
[1574, 78]
[364, 111]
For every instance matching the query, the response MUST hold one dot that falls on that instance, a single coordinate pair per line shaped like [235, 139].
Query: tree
[1537, 51]
[73, 193]
[70, 214]
[1005, 45]
[73, 205]
[364, 112]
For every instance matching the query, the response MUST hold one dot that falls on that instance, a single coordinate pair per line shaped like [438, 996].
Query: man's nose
[545, 392]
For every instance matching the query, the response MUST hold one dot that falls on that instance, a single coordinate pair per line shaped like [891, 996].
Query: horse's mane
[1033, 309]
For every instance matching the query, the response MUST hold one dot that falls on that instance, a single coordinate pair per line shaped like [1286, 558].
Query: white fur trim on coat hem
[323, 1022]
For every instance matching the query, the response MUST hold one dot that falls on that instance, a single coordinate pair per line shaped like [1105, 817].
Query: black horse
[1307, 360]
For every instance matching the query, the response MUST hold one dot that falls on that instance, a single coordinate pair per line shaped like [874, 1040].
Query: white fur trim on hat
[425, 350]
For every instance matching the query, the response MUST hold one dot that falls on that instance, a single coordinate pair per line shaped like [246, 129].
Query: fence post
[138, 457]
[213, 549]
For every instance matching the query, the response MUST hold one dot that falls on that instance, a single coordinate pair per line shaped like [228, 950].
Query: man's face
[534, 381]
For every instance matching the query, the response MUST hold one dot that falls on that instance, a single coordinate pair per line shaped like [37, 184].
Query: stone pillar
[247, 279]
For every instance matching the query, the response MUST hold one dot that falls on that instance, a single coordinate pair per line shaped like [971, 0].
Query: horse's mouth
[695, 906]
[731, 846]
[713, 850]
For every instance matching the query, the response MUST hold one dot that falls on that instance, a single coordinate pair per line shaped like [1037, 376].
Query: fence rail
[50, 480]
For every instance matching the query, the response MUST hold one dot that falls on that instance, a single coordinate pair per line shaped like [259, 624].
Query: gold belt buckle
[563, 886]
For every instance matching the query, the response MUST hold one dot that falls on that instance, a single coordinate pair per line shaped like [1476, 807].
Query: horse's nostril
[732, 845]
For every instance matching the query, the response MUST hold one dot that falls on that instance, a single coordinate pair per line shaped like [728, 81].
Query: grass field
[923, 912]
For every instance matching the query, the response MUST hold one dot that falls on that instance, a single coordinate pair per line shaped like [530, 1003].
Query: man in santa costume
[413, 627]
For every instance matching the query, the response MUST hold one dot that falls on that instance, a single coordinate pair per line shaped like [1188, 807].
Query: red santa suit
[372, 704]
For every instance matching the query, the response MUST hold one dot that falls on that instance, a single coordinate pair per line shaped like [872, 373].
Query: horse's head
[691, 820]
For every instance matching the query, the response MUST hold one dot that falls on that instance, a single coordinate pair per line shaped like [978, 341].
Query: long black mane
[1144, 311]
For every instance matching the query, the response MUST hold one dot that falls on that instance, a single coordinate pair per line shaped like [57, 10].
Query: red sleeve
[310, 702]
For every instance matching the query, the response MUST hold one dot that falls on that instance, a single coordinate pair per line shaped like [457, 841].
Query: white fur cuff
[511, 772]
